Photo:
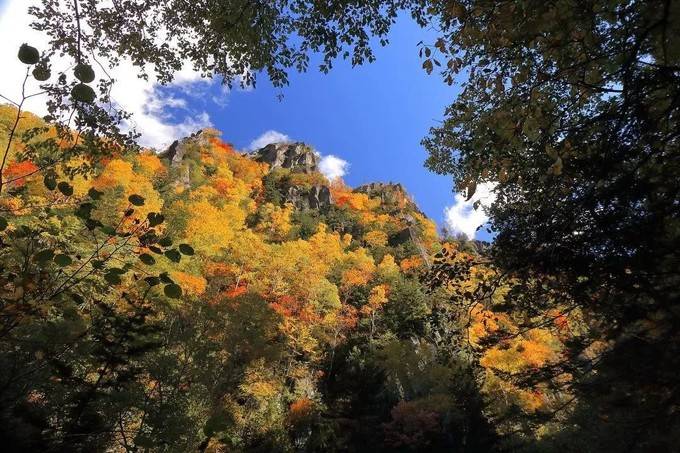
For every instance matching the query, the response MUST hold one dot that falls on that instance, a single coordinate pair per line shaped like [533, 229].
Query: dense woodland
[204, 299]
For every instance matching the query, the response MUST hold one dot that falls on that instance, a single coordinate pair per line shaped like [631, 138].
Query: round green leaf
[165, 278]
[83, 93]
[112, 277]
[62, 260]
[108, 229]
[147, 259]
[152, 281]
[136, 200]
[173, 291]
[50, 182]
[155, 219]
[173, 255]
[92, 224]
[43, 256]
[84, 73]
[28, 54]
[84, 210]
[94, 193]
[41, 73]
[186, 249]
[65, 188]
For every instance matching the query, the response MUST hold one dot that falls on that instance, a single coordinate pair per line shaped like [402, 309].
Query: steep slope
[205, 299]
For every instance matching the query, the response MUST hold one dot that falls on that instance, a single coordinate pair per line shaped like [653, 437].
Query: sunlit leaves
[190, 284]
[256, 288]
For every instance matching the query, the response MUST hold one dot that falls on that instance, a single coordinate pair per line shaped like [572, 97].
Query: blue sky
[373, 116]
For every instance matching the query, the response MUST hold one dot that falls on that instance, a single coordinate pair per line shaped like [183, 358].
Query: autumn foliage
[262, 319]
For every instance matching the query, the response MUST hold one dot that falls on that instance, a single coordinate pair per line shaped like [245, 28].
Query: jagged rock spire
[175, 152]
[295, 156]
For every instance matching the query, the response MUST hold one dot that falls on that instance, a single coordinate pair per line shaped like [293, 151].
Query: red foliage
[412, 426]
[226, 147]
[300, 410]
[18, 171]
[236, 291]
[287, 306]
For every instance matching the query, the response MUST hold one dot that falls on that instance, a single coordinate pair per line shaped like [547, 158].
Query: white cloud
[461, 217]
[267, 138]
[142, 98]
[332, 167]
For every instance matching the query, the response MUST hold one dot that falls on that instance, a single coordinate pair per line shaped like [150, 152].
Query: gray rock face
[175, 152]
[294, 156]
[318, 197]
[389, 194]
[378, 188]
[297, 157]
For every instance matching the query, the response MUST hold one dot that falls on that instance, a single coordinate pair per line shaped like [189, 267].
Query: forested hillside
[206, 299]
[203, 298]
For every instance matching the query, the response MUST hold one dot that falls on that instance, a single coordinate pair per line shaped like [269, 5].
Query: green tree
[570, 109]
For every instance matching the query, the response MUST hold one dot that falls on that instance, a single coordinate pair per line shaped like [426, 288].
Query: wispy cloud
[462, 217]
[268, 137]
[143, 98]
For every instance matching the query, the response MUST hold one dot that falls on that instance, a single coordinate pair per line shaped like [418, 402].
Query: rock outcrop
[382, 189]
[317, 197]
[390, 194]
[294, 156]
[175, 152]
[179, 148]
[298, 158]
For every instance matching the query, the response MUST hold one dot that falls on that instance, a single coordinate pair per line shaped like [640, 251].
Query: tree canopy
[570, 110]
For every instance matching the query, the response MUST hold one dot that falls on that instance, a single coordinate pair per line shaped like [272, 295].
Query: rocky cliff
[294, 177]
[175, 152]
[390, 194]
[294, 156]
